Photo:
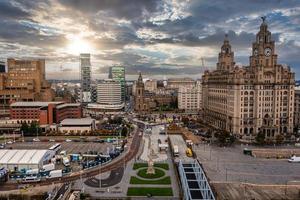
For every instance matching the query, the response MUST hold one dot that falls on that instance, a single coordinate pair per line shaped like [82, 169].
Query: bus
[56, 148]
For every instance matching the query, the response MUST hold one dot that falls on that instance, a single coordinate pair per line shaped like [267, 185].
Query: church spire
[140, 79]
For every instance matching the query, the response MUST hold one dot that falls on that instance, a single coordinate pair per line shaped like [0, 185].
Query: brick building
[44, 112]
[24, 81]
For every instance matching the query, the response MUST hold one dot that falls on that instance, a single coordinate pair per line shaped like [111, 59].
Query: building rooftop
[80, 121]
[34, 103]
[105, 106]
[67, 105]
[23, 156]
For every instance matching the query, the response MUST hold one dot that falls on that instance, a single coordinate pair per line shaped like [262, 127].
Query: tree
[260, 138]
[124, 131]
[185, 120]
[24, 128]
[279, 139]
[225, 138]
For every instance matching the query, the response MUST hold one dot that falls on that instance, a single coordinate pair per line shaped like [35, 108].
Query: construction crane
[202, 67]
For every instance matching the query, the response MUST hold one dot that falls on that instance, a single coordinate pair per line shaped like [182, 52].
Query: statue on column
[150, 169]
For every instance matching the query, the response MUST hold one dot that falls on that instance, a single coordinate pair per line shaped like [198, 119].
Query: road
[115, 164]
[114, 178]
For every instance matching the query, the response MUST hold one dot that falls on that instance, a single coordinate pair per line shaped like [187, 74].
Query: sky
[160, 38]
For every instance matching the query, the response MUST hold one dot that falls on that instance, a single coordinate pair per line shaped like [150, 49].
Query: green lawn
[160, 165]
[163, 181]
[140, 191]
[143, 173]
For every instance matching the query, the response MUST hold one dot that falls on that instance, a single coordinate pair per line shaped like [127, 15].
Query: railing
[196, 169]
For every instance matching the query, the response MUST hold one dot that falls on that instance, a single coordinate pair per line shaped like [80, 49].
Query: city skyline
[156, 37]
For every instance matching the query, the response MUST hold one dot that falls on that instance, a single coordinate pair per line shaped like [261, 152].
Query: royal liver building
[250, 99]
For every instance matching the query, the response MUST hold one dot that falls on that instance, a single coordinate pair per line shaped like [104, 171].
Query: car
[2, 146]
[68, 140]
[36, 140]
[9, 142]
[51, 140]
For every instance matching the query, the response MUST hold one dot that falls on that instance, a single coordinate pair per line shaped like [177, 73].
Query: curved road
[134, 148]
[114, 178]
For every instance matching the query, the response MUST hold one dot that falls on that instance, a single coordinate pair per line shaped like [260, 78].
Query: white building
[176, 83]
[190, 98]
[151, 85]
[16, 160]
[109, 92]
[77, 125]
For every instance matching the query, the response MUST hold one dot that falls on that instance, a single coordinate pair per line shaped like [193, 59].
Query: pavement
[229, 164]
[151, 140]
[179, 141]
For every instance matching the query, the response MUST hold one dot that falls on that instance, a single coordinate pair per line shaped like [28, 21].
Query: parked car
[68, 140]
[36, 140]
[9, 142]
[51, 140]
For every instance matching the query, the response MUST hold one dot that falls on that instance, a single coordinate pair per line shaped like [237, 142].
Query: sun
[78, 45]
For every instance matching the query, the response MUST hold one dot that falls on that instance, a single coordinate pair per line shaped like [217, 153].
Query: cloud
[159, 37]
[10, 11]
[115, 8]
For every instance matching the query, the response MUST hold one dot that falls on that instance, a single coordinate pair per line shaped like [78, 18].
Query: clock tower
[226, 57]
[263, 49]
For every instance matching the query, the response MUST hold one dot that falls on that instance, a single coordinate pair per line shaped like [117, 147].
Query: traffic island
[158, 174]
[157, 184]
[158, 165]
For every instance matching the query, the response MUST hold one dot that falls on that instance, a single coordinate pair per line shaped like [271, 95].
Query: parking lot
[69, 147]
[230, 164]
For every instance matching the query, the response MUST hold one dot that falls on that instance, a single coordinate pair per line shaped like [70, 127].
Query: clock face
[255, 52]
[268, 51]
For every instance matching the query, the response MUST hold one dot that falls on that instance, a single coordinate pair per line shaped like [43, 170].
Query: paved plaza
[151, 140]
[230, 164]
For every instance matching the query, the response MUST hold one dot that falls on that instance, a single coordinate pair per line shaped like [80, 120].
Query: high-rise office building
[117, 73]
[24, 81]
[85, 73]
[253, 99]
[109, 92]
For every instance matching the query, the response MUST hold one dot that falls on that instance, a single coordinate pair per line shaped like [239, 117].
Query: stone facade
[250, 99]
[190, 98]
[147, 101]
[297, 109]
[141, 103]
